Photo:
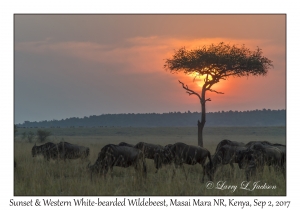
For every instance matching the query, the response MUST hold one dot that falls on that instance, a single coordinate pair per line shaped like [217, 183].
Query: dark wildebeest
[162, 157]
[43, 149]
[273, 156]
[125, 144]
[148, 149]
[151, 152]
[283, 150]
[250, 160]
[226, 154]
[114, 155]
[15, 164]
[249, 144]
[181, 153]
[65, 150]
[262, 154]
[243, 157]
[230, 143]
[259, 144]
[281, 147]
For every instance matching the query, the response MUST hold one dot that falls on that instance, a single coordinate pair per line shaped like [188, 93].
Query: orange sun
[199, 79]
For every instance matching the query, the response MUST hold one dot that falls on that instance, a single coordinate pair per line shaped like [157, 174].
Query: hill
[172, 119]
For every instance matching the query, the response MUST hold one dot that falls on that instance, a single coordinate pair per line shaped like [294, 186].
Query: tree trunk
[203, 118]
[200, 136]
[201, 124]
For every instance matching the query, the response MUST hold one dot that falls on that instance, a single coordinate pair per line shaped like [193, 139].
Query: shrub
[42, 135]
[30, 136]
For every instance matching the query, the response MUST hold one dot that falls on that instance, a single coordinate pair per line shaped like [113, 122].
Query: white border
[8, 8]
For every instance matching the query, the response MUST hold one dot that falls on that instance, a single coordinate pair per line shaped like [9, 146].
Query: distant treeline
[265, 117]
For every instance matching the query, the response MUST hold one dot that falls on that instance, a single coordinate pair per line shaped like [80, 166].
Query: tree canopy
[218, 62]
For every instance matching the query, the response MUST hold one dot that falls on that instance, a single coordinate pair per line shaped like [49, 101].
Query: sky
[81, 65]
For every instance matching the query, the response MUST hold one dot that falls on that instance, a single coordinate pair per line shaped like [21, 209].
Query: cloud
[138, 54]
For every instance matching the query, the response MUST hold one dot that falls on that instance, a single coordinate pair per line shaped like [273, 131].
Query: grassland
[36, 176]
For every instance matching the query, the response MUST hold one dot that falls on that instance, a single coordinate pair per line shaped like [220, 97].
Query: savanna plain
[35, 176]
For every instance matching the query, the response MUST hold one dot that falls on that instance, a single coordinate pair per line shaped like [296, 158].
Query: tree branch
[189, 91]
[215, 91]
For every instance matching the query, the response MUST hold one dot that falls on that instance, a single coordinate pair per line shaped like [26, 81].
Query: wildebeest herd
[62, 150]
[252, 157]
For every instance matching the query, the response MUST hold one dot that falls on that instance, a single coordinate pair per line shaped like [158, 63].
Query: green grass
[36, 176]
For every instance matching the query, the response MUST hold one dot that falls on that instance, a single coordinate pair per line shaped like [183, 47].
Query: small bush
[42, 135]
[30, 136]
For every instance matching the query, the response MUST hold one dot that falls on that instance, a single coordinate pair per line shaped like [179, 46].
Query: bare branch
[215, 91]
[208, 99]
[189, 91]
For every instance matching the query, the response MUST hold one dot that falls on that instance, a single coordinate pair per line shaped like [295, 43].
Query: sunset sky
[81, 65]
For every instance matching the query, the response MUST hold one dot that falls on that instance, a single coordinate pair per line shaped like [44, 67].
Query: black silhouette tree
[216, 63]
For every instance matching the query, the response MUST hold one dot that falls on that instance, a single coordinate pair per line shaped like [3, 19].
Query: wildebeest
[114, 155]
[230, 143]
[272, 155]
[260, 144]
[281, 147]
[226, 154]
[125, 144]
[249, 144]
[65, 150]
[252, 161]
[148, 149]
[262, 154]
[283, 150]
[181, 153]
[15, 164]
[62, 150]
[162, 157]
[43, 149]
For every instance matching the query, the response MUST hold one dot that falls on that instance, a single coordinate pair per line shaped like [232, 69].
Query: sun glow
[199, 79]
[196, 81]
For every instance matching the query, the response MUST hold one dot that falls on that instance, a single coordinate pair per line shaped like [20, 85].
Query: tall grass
[36, 176]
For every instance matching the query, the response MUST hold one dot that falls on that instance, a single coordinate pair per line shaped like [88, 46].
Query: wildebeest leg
[111, 172]
[183, 171]
[283, 172]
[105, 171]
[232, 171]
[174, 170]
[251, 169]
[144, 169]
[139, 168]
[247, 176]
[156, 166]
[47, 157]
[279, 168]
[232, 166]
[248, 173]
[203, 175]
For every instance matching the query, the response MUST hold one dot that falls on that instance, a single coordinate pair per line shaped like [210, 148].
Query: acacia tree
[216, 63]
